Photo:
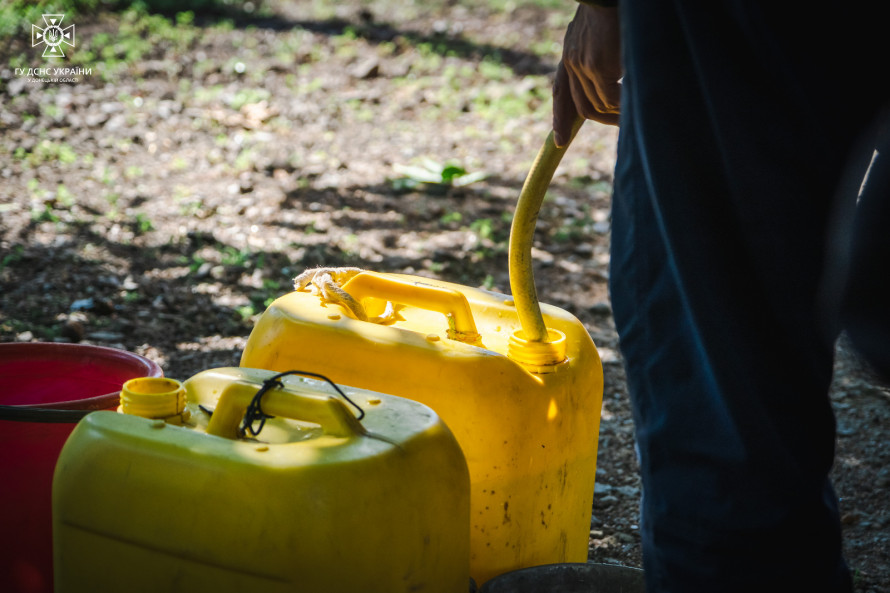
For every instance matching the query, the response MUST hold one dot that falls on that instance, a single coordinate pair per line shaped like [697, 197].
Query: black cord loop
[254, 412]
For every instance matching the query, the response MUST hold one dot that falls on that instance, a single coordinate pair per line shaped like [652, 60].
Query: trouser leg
[720, 511]
[724, 188]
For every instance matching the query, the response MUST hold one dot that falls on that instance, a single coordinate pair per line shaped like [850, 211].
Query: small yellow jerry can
[526, 413]
[244, 480]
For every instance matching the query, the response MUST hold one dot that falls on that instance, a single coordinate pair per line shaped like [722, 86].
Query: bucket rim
[69, 410]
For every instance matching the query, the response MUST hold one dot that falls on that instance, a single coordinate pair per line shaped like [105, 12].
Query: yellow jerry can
[167, 497]
[526, 413]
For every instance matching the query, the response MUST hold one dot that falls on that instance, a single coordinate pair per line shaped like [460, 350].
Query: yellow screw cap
[154, 397]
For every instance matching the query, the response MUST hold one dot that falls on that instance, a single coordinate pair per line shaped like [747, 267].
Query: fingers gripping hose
[522, 234]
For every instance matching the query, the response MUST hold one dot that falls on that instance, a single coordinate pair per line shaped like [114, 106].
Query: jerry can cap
[155, 398]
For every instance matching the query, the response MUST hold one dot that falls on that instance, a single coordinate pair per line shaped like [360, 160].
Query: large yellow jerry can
[318, 501]
[526, 414]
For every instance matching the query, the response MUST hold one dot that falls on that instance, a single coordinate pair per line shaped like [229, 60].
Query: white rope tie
[327, 284]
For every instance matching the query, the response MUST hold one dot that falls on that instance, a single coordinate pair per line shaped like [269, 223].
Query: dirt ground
[159, 203]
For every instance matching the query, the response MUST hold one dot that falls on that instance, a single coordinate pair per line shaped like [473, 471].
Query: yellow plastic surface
[154, 397]
[318, 502]
[522, 235]
[530, 438]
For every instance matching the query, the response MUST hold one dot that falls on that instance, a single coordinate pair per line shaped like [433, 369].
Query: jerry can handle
[451, 303]
[327, 411]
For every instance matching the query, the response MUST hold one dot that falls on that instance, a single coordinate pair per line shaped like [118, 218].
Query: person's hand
[588, 77]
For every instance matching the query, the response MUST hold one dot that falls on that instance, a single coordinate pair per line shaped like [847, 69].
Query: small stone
[845, 431]
[129, 284]
[628, 491]
[368, 68]
[99, 306]
[73, 330]
[601, 308]
[16, 86]
[605, 500]
[81, 305]
[541, 256]
[95, 119]
[608, 356]
[203, 270]
[105, 336]
[851, 518]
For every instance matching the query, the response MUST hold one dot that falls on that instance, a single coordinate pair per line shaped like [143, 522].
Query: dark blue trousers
[740, 120]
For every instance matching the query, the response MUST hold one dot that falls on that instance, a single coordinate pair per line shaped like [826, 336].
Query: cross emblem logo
[53, 36]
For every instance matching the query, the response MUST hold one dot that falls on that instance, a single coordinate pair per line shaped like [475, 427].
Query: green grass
[64, 196]
[435, 174]
[239, 258]
[15, 254]
[247, 96]
[48, 151]
[142, 224]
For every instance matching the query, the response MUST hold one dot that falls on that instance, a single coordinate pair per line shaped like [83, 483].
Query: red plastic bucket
[44, 390]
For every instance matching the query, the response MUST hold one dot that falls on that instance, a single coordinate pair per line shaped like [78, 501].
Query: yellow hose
[522, 234]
